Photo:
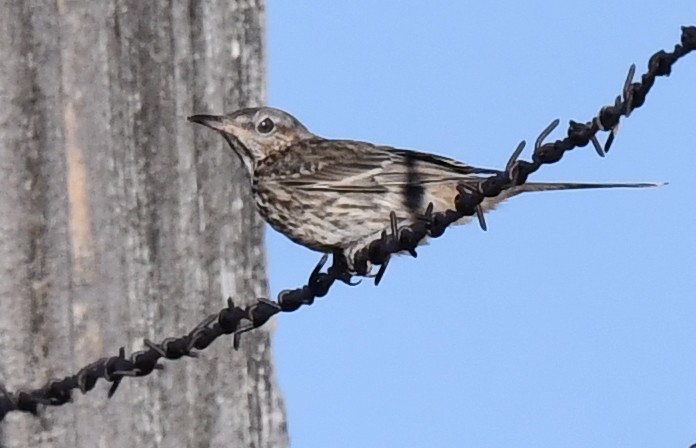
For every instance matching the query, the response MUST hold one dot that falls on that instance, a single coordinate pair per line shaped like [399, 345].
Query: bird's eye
[265, 126]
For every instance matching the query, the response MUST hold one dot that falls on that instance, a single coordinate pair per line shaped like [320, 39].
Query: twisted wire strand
[238, 320]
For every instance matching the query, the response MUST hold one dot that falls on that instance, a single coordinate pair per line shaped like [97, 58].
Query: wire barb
[510, 165]
[545, 133]
[627, 91]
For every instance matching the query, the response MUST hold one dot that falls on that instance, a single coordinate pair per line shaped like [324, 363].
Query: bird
[335, 196]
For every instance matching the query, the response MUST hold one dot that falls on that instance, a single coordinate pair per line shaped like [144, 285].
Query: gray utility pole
[119, 220]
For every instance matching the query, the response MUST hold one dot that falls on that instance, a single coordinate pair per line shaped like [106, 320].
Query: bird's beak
[217, 122]
[225, 127]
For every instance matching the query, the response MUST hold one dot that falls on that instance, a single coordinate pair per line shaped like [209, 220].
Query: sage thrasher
[336, 196]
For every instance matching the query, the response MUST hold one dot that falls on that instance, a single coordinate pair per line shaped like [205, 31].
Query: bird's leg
[395, 239]
[339, 269]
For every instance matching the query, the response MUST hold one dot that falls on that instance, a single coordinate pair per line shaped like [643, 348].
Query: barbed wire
[238, 320]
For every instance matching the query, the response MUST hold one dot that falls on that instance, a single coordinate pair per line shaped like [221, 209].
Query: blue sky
[571, 321]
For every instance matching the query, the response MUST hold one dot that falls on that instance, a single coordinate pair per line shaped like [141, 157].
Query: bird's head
[256, 132]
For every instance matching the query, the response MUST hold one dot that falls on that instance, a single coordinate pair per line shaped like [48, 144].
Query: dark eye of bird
[265, 126]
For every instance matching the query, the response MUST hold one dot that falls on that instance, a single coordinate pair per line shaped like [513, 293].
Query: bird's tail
[551, 186]
[443, 199]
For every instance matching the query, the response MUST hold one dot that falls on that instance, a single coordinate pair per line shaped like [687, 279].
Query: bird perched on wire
[336, 196]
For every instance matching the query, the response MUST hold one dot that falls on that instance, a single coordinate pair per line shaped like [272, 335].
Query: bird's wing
[345, 165]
